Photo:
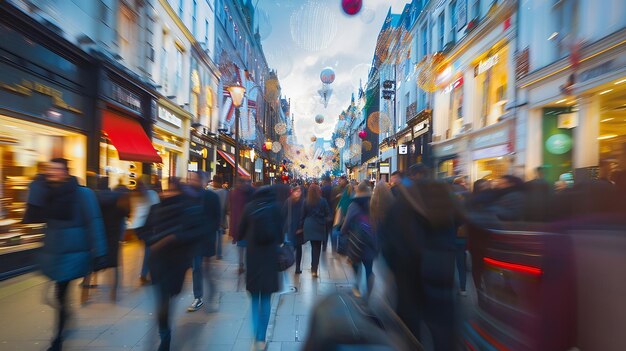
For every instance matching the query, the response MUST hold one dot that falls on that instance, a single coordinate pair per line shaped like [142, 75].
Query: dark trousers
[163, 318]
[298, 257]
[62, 312]
[316, 251]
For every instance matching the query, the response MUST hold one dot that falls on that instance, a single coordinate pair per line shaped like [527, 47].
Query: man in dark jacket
[327, 190]
[211, 213]
[74, 232]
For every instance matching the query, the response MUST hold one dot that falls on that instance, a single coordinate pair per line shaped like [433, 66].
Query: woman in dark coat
[292, 212]
[316, 215]
[261, 226]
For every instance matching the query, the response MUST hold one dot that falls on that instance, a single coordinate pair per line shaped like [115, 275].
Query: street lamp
[236, 93]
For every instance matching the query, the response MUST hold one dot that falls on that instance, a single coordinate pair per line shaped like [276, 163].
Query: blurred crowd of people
[415, 223]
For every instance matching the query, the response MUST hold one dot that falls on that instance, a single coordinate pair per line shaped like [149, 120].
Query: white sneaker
[195, 305]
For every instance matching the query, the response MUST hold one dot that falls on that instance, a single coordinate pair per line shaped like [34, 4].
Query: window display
[24, 148]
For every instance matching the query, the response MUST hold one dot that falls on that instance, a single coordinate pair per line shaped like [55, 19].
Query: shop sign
[200, 141]
[596, 71]
[491, 152]
[486, 64]
[568, 120]
[449, 148]
[26, 88]
[457, 83]
[169, 117]
[126, 97]
[384, 168]
[500, 136]
[403, 149]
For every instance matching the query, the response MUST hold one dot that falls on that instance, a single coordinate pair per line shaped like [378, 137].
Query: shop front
[45, 112]
[577, 122]
[171, 139]
[225, 164]
[450, 158]
[492, 151]
[127, 154]
[201, 155]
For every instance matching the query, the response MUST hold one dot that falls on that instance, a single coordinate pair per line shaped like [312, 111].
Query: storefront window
[612, 137]
[492, 77]
[24, 147]
[492, 168]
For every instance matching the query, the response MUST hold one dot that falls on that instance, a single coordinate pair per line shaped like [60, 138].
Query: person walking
[417, 241]
[327, 194]
[316, 215]
[238, 199]
[141, 200]
[74, 236]
[217, 187]
[293, 211]
[362, 241]
[115, 208]
[211, 219]
[175, 231]
[261, 227]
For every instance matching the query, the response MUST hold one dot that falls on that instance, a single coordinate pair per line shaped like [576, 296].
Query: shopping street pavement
[129, 324]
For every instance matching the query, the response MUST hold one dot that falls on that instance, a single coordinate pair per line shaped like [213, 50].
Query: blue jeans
[261, 306]
[199, 273]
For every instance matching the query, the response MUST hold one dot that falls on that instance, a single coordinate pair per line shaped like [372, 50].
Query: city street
[129, 324]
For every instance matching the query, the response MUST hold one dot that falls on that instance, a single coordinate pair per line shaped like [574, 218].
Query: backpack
[362, 241]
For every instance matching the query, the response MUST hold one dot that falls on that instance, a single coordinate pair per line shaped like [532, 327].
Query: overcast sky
[302, 37]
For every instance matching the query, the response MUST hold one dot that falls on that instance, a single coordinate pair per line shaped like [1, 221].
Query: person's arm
[350, 214]
[94, 223]
[243, 224]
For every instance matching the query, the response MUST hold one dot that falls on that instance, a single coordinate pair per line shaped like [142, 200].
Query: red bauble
[351, 7]
[363, 134]
[319, 157]
[263, 147]
[285, 178]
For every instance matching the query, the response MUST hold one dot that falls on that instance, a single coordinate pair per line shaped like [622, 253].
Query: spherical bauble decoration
[319, 119]
[363, 134]
[268, 145]
[327, 76]
[263, 147]
[351, 7]
[340, 143]
[302, 166]
[313, 139]
[280, 128]
[285, 178]
[367, 146]
[319, 157]
[276, 147]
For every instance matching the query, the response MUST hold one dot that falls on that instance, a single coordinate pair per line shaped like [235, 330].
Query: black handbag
[286, 257]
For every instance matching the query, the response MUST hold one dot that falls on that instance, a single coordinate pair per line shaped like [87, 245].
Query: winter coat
[115, 209]
[509, 206]
[222, 194]
[238, 199]
[315, 221]
[421, 258]
[211, 216]
[74, 235]
[292, 212]
[362, 240]
[261, 227]
[174, 230]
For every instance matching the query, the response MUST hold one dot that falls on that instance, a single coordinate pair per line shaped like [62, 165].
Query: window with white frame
[206, 32]
[194, 20]
[424, 40]
[453, 21]
[475, 9]
[442, 26]
[164, 80]
[565, 13]
[179, 71]
[126, 34]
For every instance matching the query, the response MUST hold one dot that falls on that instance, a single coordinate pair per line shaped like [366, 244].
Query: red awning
[231, 159]
[129, 138]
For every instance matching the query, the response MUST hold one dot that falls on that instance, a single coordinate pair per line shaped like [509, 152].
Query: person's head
[218, 181]
[509, 181]
[419, 172]
[196, 179]
[57, 170]
[396, 178]
[541, 172]
[313, 195]
[381, 201]
[296, 193]
[460, 181]
[343, 181]
[363, 189]
[481, 185]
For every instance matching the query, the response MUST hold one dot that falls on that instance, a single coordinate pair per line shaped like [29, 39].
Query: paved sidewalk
[129, 324]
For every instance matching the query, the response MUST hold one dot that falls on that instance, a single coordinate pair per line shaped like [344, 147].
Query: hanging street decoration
[319, 119]
[327, 76]
[340, 142]
[280, 128]
[313, 139]
[363, 134]
[276, 147]
[351, 7]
